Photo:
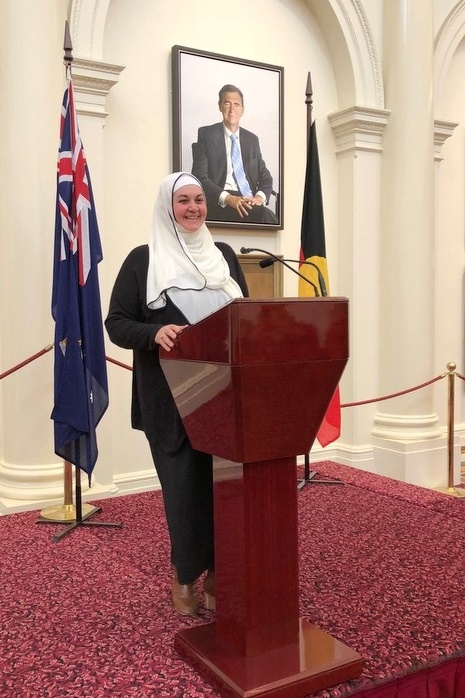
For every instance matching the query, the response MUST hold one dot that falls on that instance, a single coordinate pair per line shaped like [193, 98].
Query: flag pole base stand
[452, 491]
[75, 513]
[81, 520]
[65, 513]
[80, 523]
[310, 475]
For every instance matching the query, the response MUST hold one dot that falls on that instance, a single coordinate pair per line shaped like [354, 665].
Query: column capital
[359, 128]
[442, 131]
[92, 81]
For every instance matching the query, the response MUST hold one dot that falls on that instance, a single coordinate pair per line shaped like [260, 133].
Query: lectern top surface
[251, 331]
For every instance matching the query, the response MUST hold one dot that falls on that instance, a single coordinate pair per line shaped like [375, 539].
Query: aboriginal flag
[313, 249]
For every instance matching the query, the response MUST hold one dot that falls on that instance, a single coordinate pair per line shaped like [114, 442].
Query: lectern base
[316, 662]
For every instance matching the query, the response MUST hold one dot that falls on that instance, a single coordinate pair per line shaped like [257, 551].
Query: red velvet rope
[118, 363]
[346, 404]
[26, 361]
[402, 392]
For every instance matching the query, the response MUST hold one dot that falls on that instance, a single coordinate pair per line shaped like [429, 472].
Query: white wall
[129, 152]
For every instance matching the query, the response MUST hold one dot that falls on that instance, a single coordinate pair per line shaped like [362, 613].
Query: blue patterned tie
[238, 168]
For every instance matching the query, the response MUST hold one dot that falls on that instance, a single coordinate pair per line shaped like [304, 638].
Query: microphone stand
[246, 250]
[268, 262]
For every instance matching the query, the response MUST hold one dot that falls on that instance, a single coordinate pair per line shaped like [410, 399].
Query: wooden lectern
[252, 383]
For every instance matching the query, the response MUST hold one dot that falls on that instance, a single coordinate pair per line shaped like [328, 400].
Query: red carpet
[382, 568]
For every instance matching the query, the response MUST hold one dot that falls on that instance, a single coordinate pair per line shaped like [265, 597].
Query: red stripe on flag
[330, 428]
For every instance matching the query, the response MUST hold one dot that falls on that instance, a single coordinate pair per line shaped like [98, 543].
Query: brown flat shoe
[209, 590]
[185, 599]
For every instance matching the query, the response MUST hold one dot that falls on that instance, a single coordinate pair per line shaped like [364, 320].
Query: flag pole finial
[67, 47]
[309, 88]
[309, 102]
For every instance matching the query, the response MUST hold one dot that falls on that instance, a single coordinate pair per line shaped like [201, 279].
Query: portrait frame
[197, 77]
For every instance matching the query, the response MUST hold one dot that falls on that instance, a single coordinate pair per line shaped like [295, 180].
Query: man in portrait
[228, 162]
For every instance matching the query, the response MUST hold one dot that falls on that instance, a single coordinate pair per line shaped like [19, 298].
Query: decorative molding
[140, 481]
[27, 482]
[365, 63]
[92, 82]
[362, 128]
[405, 427]
[359, 128]
[88, 18]
[449, 36]
[442, 131]
[87, 25]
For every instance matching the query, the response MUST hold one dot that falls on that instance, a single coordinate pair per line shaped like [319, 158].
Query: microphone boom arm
[321, 279]
[246, 250]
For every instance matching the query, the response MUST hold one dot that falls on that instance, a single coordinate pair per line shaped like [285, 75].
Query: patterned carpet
[381, 569]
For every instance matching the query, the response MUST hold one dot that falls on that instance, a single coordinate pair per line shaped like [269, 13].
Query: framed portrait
[216, 97]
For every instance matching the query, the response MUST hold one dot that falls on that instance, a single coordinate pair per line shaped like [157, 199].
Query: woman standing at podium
[175, 280]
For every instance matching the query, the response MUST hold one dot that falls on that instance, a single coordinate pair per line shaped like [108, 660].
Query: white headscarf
[181, 262]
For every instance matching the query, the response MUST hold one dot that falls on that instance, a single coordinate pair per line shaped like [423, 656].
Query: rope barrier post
[451, 366]
[450, 489]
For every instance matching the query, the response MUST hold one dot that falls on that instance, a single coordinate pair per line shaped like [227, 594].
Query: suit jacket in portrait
[209, 162]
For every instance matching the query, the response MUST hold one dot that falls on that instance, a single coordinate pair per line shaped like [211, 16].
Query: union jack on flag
[80, 375]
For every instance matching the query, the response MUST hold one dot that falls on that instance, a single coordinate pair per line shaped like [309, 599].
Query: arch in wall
[343, 22]
[87, 26]
[357, 66]
[449, 36]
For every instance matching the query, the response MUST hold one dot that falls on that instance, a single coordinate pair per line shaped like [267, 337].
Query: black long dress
[185, 474]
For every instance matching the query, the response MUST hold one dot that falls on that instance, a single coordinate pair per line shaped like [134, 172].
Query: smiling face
[189, 207]
[232, 108]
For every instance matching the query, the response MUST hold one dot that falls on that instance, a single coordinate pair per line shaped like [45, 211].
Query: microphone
[321, 279]
[246, 250]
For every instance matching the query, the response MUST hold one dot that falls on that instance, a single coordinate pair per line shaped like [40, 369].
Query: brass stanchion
[450, 489]
[66, 512]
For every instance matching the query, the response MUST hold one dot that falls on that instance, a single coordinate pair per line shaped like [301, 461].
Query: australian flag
[81, 384]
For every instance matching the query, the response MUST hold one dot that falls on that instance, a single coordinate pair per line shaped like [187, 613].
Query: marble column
[32, 76]
[358, 133]
[407, 438]
[32, 79]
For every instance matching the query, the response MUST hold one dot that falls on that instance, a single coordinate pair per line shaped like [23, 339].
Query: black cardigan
[132, 325]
